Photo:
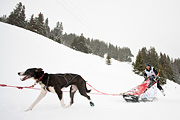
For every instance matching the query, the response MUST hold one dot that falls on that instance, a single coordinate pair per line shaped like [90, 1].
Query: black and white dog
[54, 83]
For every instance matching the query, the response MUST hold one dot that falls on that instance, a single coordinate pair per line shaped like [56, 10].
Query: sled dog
[55, 83]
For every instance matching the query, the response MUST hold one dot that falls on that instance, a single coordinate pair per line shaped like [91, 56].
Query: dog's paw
[27, 110]
[91, 104]
[65, 106]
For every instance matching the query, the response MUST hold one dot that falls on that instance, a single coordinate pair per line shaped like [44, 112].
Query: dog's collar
[37, 81]
[40, 78]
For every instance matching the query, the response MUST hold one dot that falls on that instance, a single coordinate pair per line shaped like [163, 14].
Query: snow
[21, 49]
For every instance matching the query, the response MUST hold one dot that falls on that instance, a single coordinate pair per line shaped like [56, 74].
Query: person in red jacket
[151, 72]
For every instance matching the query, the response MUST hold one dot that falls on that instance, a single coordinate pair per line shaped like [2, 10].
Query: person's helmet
[147, 64]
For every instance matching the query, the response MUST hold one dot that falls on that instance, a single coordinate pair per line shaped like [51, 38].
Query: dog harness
[68, 80]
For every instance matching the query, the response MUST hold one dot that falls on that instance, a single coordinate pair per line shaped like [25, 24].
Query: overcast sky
[131, 23]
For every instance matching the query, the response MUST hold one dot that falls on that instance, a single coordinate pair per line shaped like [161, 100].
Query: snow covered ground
[21, 49]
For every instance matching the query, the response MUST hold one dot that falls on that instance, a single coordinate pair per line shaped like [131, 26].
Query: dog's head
[34, 73]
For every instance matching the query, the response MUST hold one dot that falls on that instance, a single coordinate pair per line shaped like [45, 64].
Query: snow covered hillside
[21, 49]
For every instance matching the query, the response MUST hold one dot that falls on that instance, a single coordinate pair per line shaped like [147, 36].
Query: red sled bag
[134, 94]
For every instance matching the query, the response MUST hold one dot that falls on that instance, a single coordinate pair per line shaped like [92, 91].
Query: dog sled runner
[147, 91]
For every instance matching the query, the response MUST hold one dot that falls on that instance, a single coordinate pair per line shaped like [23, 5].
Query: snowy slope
[21, 49]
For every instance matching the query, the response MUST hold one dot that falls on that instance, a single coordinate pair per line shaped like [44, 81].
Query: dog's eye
[28, 72]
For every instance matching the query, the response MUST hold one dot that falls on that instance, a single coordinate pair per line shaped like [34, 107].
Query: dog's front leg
[41, 95]
[60, 95]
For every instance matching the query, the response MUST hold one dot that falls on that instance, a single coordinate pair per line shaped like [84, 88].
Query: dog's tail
[88, 91]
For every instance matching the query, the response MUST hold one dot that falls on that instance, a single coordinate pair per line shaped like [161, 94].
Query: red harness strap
[30, 87]
[36, 81]
[3, 85]
[40, 78]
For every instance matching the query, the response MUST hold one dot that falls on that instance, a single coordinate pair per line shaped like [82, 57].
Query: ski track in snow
[21, 49]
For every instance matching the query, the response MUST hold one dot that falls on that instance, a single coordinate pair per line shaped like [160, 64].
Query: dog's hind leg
[83, 93]
[41, 95]
[73, 89]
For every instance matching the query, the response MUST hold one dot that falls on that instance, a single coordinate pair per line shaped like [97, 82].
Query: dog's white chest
[51, 89]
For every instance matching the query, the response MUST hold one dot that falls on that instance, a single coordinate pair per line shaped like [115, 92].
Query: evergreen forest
[39, 25]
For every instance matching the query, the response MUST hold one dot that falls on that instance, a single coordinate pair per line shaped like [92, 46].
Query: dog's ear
[38, 70]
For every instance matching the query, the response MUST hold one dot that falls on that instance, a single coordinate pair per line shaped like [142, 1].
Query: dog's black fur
[57, 81]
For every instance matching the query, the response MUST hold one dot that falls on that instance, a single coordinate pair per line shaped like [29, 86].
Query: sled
[147, 91]
[150, 95]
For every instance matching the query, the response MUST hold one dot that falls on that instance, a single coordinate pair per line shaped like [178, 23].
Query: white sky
[131, 23]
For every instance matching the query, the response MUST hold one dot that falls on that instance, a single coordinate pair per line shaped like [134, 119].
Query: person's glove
[157, 78]
[145, 78]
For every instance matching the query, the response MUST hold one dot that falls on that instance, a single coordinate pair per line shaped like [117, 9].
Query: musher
[151, 73]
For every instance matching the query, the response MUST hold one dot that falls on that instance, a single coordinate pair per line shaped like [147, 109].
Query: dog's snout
[20, 73]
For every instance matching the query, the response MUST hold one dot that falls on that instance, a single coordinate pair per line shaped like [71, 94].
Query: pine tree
[51, 36]
[97, 47]
[47, 28]
[22, 17]
[124, 54]
[40, 24]
[112, 50]
[17, 17]
[108, 59]
[164, 61]
[3, 19]
[79, 44]
[31, 24]
[139, 64]
[162, 75]
[176, 70]
[153, 57]
[144, 54]
[57, 32]
[68, 39]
